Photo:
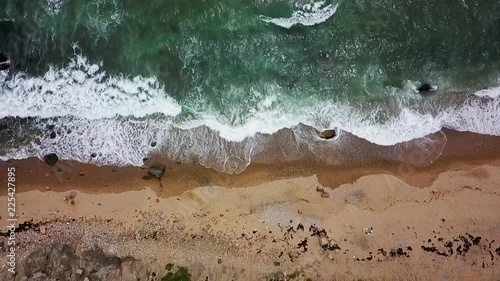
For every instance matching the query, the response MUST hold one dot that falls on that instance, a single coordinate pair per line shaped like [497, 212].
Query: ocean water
[222, 82]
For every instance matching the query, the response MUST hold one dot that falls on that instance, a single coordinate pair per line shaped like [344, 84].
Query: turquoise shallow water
[202, 78]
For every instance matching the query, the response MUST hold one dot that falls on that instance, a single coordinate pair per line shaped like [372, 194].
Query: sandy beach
[286, 221]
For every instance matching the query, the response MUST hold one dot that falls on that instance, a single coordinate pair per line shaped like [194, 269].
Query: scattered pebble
[71, 195]
[322, 191]
[368, 230]
[294, 255]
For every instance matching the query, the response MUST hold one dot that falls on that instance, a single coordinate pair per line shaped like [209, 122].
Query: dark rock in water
[328, 134]
[3, 124]
[4, 66]
[324, 55]
[51, 159]
[53, 135]
[4, 62]
[93, 155]
[156, 170]
[426, 89]
[153, 144]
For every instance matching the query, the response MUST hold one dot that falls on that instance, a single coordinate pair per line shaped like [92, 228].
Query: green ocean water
[223, 64]
[206, 49]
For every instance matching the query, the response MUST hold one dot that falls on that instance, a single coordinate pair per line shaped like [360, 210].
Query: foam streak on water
[307, 15]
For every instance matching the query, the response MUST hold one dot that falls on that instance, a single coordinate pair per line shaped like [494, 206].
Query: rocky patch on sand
[62, 262]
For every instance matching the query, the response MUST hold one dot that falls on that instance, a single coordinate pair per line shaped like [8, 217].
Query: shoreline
[461, 150]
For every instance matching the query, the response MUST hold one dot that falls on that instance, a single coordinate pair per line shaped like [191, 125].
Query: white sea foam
[54, 6]
[307, 15]
[491, 92]
[219, 146]
[82, 89]
[477, 115]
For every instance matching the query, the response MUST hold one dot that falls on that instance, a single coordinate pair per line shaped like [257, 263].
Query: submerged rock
[3, 124]
[328, 134]
[51, 159]
[156, 170]
[426, 89]
[4, 62]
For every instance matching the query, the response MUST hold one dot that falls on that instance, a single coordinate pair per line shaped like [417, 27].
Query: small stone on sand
[156, 170]
[51, 159]
[328, 134]
[294, 255]
[71, 195]
[323, 242]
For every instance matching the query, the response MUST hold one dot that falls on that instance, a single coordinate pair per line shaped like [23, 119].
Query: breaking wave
[307, 15]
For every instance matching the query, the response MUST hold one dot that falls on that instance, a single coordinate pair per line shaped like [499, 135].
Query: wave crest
[307, 15]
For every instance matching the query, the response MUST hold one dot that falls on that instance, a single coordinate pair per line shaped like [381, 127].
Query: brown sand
[426, 222]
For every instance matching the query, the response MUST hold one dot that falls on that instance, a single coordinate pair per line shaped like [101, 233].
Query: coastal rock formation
[51, 159]
[328, 134]
[426, 89]
[62, 262]
[4, 62]
[156, 170]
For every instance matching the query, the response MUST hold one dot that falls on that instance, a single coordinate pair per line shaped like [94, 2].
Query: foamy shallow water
[122, 120]
[224, 83]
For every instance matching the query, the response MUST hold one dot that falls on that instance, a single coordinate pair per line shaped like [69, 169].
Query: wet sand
[440, 222]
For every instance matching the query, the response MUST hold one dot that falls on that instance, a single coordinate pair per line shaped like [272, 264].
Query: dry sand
[298, 220]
